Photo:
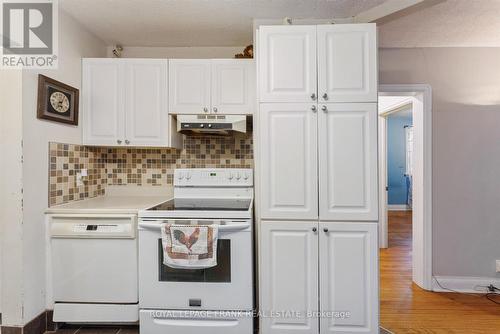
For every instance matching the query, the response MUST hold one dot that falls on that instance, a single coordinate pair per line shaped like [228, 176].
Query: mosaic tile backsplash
[138, 166]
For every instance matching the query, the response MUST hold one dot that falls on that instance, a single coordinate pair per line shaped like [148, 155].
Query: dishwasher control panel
[100, 228]
[121, 227]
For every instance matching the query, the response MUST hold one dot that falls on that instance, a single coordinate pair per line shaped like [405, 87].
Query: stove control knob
[238, 176]
[246, 176]
[188, 176]
[181, 176]
[230, 176]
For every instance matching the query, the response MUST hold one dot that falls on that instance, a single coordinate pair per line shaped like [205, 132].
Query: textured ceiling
[229, 22]
[465, 23]
[196, 22]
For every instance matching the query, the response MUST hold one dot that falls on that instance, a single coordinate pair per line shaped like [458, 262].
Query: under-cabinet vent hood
[211, 124]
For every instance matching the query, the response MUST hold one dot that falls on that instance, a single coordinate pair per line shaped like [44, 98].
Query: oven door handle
[222, 228]
[193, 322]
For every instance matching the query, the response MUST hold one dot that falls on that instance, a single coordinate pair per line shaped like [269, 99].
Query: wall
[11, 250]
[466, 150]
[178, 52]
[74, 43]
[396, 157]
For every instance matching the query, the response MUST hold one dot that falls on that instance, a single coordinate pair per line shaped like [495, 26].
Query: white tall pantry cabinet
[316, 162]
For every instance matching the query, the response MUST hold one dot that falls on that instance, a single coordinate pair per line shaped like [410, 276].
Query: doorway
[410, 177]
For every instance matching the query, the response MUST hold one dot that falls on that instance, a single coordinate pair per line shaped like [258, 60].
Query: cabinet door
[287, 63]
[289, 277]
[146, 111]
[349, 278]
[288, 161]
[102, 101]
[233, 86]
[348, 161]
[189, 86]
[347, 63]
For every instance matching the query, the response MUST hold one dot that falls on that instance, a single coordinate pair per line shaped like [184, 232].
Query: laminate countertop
[117, 200]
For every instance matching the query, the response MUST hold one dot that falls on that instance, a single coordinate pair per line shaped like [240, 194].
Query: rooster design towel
[189, 246]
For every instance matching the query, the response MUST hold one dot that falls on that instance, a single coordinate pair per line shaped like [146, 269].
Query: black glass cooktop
[204, 204]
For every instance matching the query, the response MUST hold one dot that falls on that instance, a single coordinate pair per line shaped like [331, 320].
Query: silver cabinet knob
[325, 230]
[205, 109]
[324, 108]
[118, 141]
[215, 109]
[127, 141]
[313, 108]
[325, 96]
[313, 96]
[314, 229]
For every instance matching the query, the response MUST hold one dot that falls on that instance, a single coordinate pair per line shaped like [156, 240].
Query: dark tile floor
[119, 330]
[71, 329]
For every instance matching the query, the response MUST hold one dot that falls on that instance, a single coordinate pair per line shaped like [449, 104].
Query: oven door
[227, 286]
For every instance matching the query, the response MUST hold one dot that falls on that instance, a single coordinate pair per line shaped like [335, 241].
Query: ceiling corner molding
[385, 9]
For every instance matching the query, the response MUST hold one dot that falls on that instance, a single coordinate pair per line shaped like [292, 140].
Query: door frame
[422, 242]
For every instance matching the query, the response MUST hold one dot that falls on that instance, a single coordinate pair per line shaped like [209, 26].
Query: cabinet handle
[324, 108]
[313, 96]
[325, 96]
[314, 229]
[205, 109]
[325, 230]
[118, 141]
[215, 109]
[127, 141]
[313, 108]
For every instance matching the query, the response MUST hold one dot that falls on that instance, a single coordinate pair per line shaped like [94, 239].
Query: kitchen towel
[189, 246]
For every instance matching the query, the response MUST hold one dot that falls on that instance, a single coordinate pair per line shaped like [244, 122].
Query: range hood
[211, 124]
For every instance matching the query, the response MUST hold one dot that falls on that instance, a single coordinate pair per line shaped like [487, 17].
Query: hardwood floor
[405, 308]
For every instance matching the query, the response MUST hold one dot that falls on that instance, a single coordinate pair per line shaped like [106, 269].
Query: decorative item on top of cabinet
[218, 86]
[247, 52]
[125, 103]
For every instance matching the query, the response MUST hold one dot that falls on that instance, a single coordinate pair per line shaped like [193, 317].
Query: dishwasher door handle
[222, 228]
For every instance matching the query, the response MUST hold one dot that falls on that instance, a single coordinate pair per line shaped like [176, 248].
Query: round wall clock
[59, 102]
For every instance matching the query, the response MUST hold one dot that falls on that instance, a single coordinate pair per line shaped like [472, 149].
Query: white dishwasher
[94, 268]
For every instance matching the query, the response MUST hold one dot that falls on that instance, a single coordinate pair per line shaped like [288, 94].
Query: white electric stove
[214, 300]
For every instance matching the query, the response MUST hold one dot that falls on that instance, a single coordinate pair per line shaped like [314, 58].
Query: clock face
[59, 101]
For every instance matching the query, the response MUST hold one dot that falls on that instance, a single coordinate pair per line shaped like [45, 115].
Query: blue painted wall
[396, 157]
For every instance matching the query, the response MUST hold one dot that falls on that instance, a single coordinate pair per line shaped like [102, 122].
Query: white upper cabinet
[288, 161]
[146, 114]
[349, 277]
[102, 102]
[125, 103]
[287, 64]
[348, 161]
[289, 277]
[222, 86]
[233, 86]
[189, 86]
[347, 63]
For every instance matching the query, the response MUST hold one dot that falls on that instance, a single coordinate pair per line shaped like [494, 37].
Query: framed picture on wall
[57, 101]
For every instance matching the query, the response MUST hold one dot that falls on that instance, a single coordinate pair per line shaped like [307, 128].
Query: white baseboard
[463, 284]
[398, 207]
